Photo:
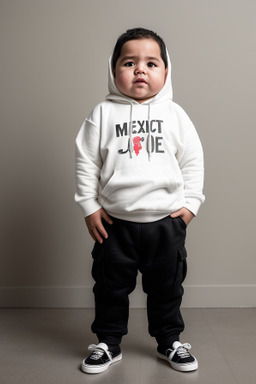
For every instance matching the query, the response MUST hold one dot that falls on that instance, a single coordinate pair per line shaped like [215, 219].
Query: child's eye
[129, 64]
[151, 65]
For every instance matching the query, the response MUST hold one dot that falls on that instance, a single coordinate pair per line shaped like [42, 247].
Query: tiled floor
[46, 346]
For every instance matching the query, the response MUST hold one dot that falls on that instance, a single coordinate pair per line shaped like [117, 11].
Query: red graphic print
[137, 144]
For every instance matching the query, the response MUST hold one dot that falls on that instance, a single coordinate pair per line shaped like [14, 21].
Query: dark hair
[136, 34]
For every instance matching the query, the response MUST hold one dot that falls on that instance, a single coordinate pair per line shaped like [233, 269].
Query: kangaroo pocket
[142, 188]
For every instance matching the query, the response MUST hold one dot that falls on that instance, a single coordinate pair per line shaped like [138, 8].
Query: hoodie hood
[115, 95]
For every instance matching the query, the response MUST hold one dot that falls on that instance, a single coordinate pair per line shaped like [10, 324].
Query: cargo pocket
[181, 265]
[98, 268]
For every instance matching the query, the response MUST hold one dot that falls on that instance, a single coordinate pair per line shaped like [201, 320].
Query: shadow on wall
[27, 233]
[38, 238]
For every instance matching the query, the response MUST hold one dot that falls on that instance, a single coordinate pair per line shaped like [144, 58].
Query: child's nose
[140, 68]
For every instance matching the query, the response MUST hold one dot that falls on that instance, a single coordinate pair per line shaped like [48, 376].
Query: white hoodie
[140, 162]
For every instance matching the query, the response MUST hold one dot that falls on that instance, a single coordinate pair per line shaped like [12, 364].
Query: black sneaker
[100, 359]
[179, 357]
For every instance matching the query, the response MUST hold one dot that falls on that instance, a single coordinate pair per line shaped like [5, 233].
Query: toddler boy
[139, 175]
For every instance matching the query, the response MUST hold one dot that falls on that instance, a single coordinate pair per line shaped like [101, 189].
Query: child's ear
[166, 72]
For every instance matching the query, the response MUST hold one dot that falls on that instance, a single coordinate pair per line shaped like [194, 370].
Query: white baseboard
[200, 296]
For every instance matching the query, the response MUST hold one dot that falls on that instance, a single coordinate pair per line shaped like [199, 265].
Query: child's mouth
[140, 81]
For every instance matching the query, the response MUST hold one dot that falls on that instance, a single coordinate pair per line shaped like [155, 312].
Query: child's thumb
[175, 214]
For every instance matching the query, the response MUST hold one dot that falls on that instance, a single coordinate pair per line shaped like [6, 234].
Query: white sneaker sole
[99, 368]
[180, 367]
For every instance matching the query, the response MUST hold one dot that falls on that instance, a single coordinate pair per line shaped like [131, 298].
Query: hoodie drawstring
[149, 144]
[130, 143]
[148, 140]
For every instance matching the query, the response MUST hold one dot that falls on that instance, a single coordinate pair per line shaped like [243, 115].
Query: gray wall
[53, 71]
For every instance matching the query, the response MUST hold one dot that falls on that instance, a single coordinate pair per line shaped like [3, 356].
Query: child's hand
[185, 214]
[95, 226]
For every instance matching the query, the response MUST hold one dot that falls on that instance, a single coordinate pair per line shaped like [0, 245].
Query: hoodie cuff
[89, 207]
[193, 205]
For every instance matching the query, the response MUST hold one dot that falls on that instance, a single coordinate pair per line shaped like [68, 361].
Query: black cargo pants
[157, 250]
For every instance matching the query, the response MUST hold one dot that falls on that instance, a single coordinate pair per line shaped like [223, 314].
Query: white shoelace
[182, 350]
[97, 353]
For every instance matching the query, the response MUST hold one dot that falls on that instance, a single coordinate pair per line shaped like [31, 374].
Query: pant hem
[167, 341]
[110, 340]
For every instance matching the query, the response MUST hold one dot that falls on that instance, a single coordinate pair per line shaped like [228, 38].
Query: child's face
[140, 72]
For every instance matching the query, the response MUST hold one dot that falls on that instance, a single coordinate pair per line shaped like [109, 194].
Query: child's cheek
[122, 81]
